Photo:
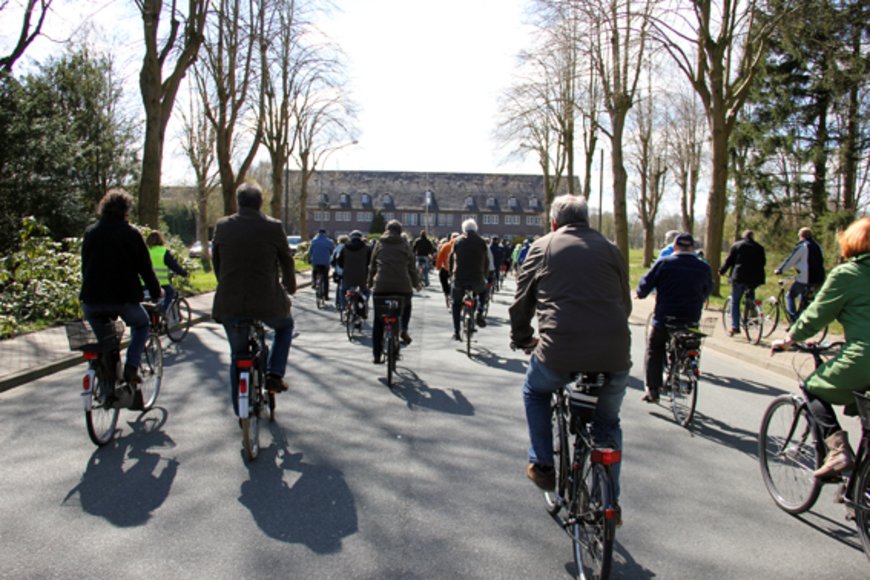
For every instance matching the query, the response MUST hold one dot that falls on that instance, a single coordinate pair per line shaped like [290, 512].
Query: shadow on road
[409, 387]
[745, 386]
[125, 482]
[494, 360]
[297, 502]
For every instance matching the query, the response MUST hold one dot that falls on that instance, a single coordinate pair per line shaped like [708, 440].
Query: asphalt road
[359, 481]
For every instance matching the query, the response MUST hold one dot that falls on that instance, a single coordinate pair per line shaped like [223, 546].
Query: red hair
[856, 239]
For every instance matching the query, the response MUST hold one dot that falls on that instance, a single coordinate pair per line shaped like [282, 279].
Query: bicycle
[469, 305]
[790, 448]
[174, 322]
[320, 289]
[585, 487]
[682, 354]
[104, 391]
[354, 311]
[253, 398]
[423, 269]
[752, 317]
[774, 309]
[389, 309]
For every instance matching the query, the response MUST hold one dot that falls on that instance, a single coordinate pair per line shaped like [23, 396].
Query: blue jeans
[133, 314]
[540, 384]
[278, 353]
[168, 295]
[797, 290]
[737, 292]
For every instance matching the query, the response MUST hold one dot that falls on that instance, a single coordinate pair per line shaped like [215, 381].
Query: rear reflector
[91, 355]
[606, 456]
[245, 363]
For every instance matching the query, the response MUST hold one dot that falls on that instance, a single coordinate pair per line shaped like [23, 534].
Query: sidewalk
[31, 356]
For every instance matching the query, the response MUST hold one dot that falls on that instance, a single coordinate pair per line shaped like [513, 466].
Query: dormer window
[388, 201]
[514, 204]
[366, 201]
[323, 202]
[429, 201]
[491, 203]
[469, 203]
[535, 204]
[344, 201]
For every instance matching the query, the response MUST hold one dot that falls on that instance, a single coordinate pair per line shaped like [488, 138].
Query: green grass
[201, 281]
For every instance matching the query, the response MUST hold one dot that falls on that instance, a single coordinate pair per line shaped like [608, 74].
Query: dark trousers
[444, 276]
[655, 357]
[378, 323]
[824, 414]
[457, 296]
[324, 271]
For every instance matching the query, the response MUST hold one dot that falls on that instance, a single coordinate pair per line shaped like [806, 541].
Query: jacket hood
[355, 244]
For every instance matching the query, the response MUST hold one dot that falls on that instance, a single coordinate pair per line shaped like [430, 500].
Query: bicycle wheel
[320, 297]
[391, 354]
[102, 419]
[178, 319]
[561, 460]
[349, 322]
[753, 322]
[251, 424]
[151, 370]
[468, 328]
[788, 453]
[726, 314]
[770, 310]
[683, 392]
[861, 497]
[592, 532]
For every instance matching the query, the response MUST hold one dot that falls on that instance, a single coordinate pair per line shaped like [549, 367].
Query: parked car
[196, 249]
[293, 242]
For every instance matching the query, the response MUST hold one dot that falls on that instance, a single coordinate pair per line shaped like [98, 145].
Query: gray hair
[569, 209]
[394, 226]
[469, 225]
[670, 236]
[249, 195]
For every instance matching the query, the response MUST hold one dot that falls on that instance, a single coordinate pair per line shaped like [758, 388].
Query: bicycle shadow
[418, 394]
[297, 502]
[845, 534]
[724, 434]
[485, 356]
[743, 385]
[622, 566]
[124, 482]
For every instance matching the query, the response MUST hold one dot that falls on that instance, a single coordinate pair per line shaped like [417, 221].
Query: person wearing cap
[392, 272]
[682, 283]
[354, 260]
[319, 256]
[746, 261]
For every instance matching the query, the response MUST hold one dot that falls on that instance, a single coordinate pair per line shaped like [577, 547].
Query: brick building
[503, 205]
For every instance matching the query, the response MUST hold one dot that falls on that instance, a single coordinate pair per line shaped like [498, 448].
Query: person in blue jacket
[319, 256]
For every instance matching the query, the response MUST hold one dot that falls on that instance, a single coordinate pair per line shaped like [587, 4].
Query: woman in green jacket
[845, 296]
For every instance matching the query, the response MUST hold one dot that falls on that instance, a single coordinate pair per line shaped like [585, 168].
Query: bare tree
[182, 42]
[687, 135]
[718, 45]
[198, 143]
[37, 9]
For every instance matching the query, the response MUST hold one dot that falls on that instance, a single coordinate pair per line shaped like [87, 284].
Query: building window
[511, 220]
[430, 219]
[533, 220]
[490, 219]
[366, 200]
[364, 216]
[412, 219]
[469, 202]
[342, 216]
[389, 215]
[445, 219]
[469, 216]
[321, 216]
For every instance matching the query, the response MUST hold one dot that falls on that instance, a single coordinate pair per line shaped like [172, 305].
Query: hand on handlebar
[528, 347]
[781, 345]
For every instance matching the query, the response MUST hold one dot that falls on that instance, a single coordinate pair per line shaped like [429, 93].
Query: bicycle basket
[583, 395]
[389, 305]
[82, 337]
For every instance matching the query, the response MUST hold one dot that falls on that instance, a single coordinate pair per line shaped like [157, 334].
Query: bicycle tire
[770, 308]
[753, 322]
[861, 499]
[592, 533]
[271, 406]
[468, 327]
[319, 296]
[349, 323]
[788, 453]
[178, 319]
[251, 424]
[391, 354]
[554, 500]
[151, 370]
[726, 314]
[101, 420]
[683, 392]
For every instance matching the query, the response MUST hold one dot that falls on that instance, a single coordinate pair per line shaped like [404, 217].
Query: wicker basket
[81, 336]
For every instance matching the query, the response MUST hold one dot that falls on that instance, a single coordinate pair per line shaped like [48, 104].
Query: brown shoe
[542, 477]
[840, 456]
[275, 384]
[406, 338]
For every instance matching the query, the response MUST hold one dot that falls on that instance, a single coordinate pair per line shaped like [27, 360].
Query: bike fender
[244, 394]
[88, 382]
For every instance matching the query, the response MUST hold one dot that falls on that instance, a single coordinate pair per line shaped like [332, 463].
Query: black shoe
[138, 403]
[406, 338]
[480, 321]
[131, 375]
[650, 397]
[456, 337]
[544, 477]
[378, 360]
[276, 384]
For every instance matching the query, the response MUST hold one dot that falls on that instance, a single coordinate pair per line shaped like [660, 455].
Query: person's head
[423, 234]
[117, 203]
[356, 235]
[394, 227]
[748, 234]
[343, 239]
[805, 234]
[155, 238]
[568, 209]
[469, 225]
[454, 235]
[495, 240]
[855, 240]
[684, 244]
[249, 195]
[670, 236]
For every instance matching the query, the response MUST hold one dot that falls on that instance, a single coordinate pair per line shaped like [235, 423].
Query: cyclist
[354, 261]
[442, 264]
[256, 276]
[423, 250]
[806, 257]
[845, 296]
[392, 272]
[114, 257]
[470, 265]
[319, 255]
[577, 282]
[337, 272]
[668, 248]
[163, 262]
[682, 283]
[746, 261]
[498, 253]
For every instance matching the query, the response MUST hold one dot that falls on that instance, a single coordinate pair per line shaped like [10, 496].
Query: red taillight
[86, 382]
[91, 355]
[611, 513]
[606, 456]
[390, 319]
[469, 303]
[245, 363]
[692, 352]
[243, 386]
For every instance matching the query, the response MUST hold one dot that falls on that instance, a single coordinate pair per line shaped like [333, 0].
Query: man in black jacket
[470, 266]
[746, 260]
[114, 257]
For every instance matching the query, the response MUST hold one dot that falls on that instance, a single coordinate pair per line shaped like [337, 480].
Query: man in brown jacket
[577, 282]
[254, 269]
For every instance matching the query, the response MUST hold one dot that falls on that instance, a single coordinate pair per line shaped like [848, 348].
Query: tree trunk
[649, 243]
[152, 164]
[819, 191]
[716, 200]
[304, 176]
[620, 181]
